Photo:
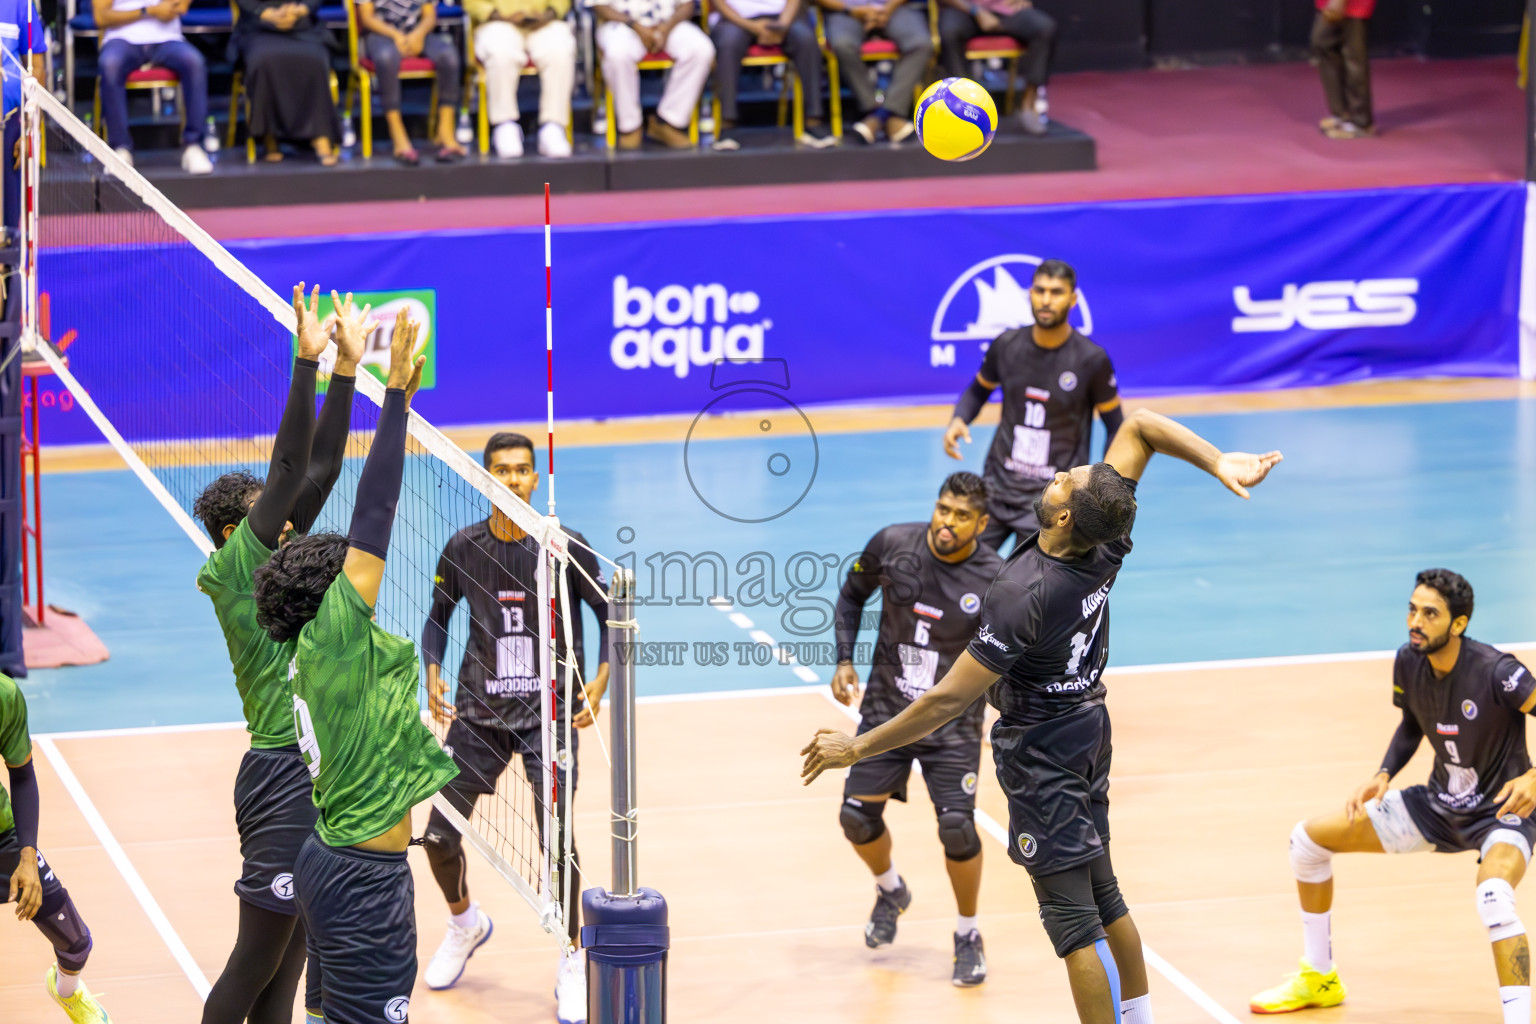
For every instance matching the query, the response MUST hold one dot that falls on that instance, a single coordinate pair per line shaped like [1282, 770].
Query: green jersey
[358, 717]
[260, 663]
[15, 743]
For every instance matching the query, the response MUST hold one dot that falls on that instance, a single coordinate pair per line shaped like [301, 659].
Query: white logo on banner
[677, 326]
[992, 297]
[1329, 306]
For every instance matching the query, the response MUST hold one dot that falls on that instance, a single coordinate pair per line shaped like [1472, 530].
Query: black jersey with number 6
[1045, 630]
[928, 614]
[1472, 718]
[499, 676]
[1049, 395]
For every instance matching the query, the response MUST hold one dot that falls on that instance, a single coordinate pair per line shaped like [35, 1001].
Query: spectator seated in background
[627, 32]
[1342, 49]
[508, 35]
[394, 30]
[286, 54]
[960, 21]
[848, 24]
[139, 32]
[739, 25]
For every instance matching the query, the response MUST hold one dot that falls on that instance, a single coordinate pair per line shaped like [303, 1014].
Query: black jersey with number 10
[1472, 718]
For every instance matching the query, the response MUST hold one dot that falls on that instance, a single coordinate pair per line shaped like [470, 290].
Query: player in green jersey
[358, 719]
[28, 880]
[274, 806]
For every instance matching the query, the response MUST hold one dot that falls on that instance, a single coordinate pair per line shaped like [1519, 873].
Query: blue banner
[1185, 294]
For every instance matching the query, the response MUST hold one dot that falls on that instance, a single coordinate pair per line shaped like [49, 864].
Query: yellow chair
[651, 62]
[871, 52]
[361, 81]
[237, 94]
[766, 56]
[147, 77]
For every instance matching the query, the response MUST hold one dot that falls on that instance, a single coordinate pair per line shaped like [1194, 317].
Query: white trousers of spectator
[692, 54]
[504, 50]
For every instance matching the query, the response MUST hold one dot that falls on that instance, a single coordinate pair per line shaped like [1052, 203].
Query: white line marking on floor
[807, 674]
[142, 730]
[761, 637]
[741, 620]
[990, 826]
[109, 843]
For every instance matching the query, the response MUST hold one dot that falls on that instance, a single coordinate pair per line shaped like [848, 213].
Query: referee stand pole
[624, 930]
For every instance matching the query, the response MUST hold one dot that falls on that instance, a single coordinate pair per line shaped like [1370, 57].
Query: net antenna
[182, 362]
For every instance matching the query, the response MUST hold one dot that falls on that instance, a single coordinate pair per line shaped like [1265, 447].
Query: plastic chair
[147, 77]
[766, 56]
[872, 51]
[361, 81]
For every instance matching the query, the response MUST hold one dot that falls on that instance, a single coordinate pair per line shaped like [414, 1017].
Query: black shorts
[274, 813]
[1450, 832]
[359, 914]
[1056, 777]
[948, 770]
[10, 859]
[482, 753]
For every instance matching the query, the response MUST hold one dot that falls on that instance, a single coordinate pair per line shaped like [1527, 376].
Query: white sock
[67, 983]
[1317, 940]
[1136, 1011]
[965, 925]
[469, 918]
[1517, 1003]
[890, 881]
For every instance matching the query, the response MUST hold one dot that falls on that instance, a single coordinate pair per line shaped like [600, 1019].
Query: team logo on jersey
[398, 1009]
[1513, 681]
[1447, 730]
[282, 886]
[1027, 845]
[970, 604]
[986, 637]
[969, 783]
[1469, 709]
[1067, 380]
[1512, 819]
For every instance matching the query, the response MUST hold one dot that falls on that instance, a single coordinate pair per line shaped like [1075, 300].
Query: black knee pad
[1067, 909]
[863, 821]
[957, 832]
[58, 919]
[1106, 892]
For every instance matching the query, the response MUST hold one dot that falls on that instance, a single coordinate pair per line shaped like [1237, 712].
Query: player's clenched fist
[830, 749]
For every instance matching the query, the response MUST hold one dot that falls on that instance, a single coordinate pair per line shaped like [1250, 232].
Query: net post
[622, 660]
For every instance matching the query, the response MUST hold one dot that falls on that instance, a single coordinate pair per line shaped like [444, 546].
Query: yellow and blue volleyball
[956, 119]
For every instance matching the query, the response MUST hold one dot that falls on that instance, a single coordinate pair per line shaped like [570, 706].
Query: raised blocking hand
[351, 328]
[313, 335]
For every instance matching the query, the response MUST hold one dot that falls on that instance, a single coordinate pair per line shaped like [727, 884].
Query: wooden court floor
[1213, 765]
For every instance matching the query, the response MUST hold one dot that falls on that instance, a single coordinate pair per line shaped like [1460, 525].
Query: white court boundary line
[119, 857]
[991, 827]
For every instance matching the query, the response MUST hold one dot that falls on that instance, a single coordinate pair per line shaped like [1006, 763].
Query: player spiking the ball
[492, 565]
[358, 720]
[248, 519]
[1044, 643]
[28, 880]
[1470, 699]
[931, 576]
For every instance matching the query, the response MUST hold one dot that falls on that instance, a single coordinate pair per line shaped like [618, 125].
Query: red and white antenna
[549, 348]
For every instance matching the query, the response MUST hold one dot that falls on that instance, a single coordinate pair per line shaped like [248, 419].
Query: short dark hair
[225, 502]
[1058, 269]
[968, 486]
[1104, 509]
[1451, 586]
[290, 586]
[507, 439]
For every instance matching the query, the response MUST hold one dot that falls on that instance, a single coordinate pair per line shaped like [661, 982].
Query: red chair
[147, 77]
[360, 80]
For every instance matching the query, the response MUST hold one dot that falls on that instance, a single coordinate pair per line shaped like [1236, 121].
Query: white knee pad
[1496, 906]
[1309, 862]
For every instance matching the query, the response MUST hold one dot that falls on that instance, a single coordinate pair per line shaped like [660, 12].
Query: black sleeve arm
[594, 598]
[971, 401]
[1112, 420]
[434, 635]
[24, 803]
[1404, 743]
[378, 488]
[857, 588]
[326, 454]
[290, 457]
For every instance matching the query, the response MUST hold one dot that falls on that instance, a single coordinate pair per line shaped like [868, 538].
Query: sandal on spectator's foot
[1329, 123]
[725, 144]
[407, 157]
[869, 129]
[898, 130]
[447, 154]
[1349, 130]
[668, 135]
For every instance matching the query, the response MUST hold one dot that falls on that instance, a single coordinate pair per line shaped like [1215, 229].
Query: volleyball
[956, 119]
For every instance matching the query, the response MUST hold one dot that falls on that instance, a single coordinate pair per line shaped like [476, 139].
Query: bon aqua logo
[678, 327]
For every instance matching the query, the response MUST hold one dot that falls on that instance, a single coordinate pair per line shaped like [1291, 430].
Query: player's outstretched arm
[290, 449]
[966, 680]
[351, 329]
[1145, 433]
[378, 488]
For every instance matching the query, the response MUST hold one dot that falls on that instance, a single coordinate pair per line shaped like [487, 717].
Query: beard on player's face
[1425, 643]
[1045, 316]
[1046, 512]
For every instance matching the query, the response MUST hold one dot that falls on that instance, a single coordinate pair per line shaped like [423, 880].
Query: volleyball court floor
[1244, 704]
